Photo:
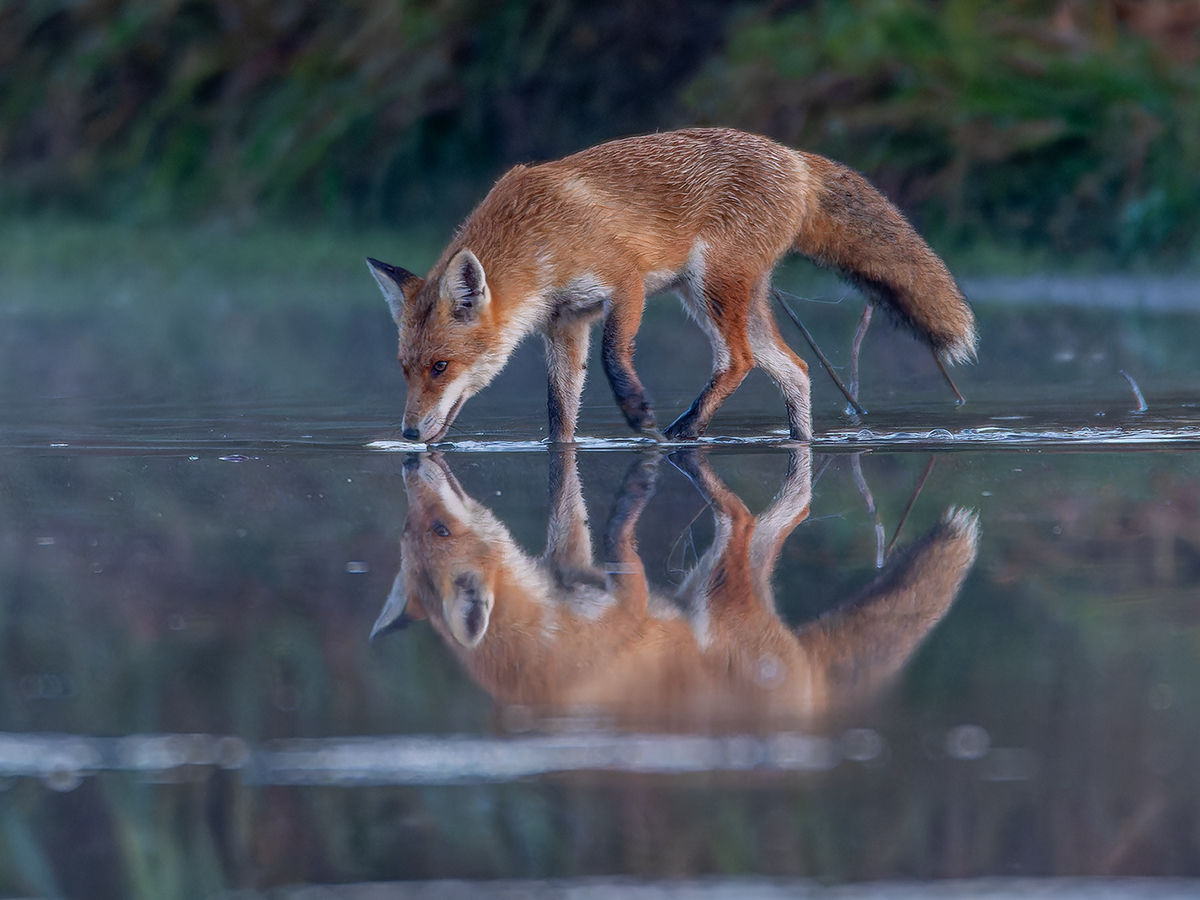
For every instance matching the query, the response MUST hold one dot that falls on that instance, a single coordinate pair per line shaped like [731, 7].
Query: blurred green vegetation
[363, 110]
[1070, 126]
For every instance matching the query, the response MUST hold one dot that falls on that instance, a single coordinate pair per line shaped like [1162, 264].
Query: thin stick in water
[1137, 392]
[779, 295]
[861, 481]
[856, 347]
[950, 381]
[911, 503]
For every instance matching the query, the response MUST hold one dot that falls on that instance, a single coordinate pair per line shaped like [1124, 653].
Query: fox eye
[404, 369]
[441, 530]
[439, 367]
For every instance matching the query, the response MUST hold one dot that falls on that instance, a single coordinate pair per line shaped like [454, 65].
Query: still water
[940, 643]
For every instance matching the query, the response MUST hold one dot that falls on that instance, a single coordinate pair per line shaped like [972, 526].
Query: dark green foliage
[1073, 126]
[1039, 124]
[363, 109]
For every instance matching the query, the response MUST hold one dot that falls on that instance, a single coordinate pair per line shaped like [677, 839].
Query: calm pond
[940, 643]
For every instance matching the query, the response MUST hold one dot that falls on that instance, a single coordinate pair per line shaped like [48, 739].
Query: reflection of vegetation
[1075, 123]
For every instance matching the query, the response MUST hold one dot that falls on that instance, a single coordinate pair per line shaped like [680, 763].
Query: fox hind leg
[721, 310]
[787, 370]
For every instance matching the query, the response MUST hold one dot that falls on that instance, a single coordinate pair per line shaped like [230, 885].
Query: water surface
[203, 508]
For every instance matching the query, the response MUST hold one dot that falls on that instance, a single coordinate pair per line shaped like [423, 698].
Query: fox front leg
[623, 320]
[568, 538]
[626, 574]
[566, 366]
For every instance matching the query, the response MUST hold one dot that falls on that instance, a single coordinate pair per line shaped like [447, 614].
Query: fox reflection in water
[565, 638]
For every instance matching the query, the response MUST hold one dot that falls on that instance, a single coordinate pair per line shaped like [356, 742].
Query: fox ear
[465, 285]
[396, 283]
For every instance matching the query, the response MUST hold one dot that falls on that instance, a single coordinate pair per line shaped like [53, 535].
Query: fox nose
[411, 434]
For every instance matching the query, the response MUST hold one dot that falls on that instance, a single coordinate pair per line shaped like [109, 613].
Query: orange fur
[706, 212]
[565, 637]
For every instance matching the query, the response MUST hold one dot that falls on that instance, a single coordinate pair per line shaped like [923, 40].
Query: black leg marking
[627, 389]
[684, 428]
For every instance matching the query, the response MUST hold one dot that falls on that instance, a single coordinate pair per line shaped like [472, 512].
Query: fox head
[447, 339]
[451, 557]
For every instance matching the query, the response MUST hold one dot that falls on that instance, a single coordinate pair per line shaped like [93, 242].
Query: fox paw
[682, 429]
[640, 415]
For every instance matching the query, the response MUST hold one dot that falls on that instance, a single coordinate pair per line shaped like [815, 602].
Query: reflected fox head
[451, 551]
[447, 337]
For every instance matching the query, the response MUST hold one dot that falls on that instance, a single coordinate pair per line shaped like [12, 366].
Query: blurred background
[1040, 126]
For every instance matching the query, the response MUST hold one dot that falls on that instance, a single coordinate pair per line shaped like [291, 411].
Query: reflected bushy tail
[866, 642]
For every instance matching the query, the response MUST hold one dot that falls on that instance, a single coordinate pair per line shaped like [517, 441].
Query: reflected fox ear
[396, 283]
[465, 285]
[398, 610]
[468, 609]
[415, 609]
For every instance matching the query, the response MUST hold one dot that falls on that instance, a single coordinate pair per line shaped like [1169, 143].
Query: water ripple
[981, 437]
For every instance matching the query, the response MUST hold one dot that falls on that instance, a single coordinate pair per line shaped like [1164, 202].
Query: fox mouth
[450, 417]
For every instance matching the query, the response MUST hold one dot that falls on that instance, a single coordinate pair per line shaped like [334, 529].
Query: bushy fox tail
[855, 230]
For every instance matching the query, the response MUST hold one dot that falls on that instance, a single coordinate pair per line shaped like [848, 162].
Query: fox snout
[414, 422]
[423, 431]
[431, 407]
[425, 426]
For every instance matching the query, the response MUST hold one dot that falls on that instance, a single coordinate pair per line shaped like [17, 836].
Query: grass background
[1061, 129]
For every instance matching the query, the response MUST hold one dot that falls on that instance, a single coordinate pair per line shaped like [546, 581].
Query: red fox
[707, 212]
[564, 637]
